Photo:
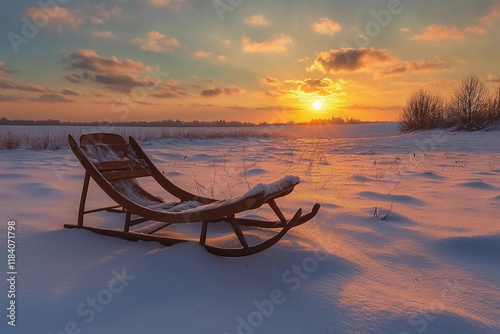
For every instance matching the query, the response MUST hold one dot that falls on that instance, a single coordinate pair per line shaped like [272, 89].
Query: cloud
[372, 107]
[2, 67]
[162, 3]
[438, 32]
[28, 87]
[326, 27]
[98, 14]
[157, 42]
[264, 108]
[349, 60]
[74, 78]
[269, 81]
[492, 78]
[50, 98]
[406, 30]
[55, 16]
[257, 20]
[478, 30]
[103, 34]
[208, 54]
[170, 89]
[379, 61]
[304, 89]
[412, 67]
[8, 98]
[116, 81]
[90, 61]
[203, 54]
[67, 91]
[492, 16]
[110, 73]
[216, 91]
[278, 43]
[321, 87]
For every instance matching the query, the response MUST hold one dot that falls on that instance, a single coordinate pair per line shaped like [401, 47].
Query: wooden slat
[126, 174]
[105, 166]
[101, 138]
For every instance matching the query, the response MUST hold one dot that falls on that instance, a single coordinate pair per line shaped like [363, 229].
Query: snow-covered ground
[407, 239]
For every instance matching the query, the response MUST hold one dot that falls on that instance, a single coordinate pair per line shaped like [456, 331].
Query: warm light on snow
[406, 240]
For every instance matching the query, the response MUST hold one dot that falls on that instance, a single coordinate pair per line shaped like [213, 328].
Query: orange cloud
[478, 30]
[50, 98]
[278, 43]
[257, 20]
[412, 67]
[216, 91]
[169, 90]
[90, 61]
[320, 87]
[98, 14]
[203, 54]
[492, 78]
[160, 3]
[157, 42]
[103, 34]
[492, 16]
[269, 81]
[208, 54]
[54, 16]
[380, 61]
[326, 27]
[438, 32]
[28, 87]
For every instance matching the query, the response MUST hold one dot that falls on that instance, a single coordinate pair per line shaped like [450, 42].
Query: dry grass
[55, 141]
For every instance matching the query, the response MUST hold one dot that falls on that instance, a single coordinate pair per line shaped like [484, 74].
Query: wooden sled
[115, 166]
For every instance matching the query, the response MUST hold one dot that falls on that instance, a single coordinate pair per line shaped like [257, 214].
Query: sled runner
[115, 166]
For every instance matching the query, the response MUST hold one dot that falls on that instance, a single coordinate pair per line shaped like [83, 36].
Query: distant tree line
[334, 120]
[176, 123]
[164, 123]
[470, 107]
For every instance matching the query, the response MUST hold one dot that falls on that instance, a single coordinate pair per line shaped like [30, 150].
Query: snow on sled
[115, 166]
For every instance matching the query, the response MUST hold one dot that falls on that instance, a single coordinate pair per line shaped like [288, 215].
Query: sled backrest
[113, 156]
[119, 164]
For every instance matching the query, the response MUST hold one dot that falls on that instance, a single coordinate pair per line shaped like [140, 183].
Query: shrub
[469, 103]
[10, 141]
[422, 111]
[494, 107]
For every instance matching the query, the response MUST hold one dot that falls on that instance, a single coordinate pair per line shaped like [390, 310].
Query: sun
[317, 105]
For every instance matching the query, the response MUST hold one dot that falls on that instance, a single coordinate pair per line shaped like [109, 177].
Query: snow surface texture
[407, 240]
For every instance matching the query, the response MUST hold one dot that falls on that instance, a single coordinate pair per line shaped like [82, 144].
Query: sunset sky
[246, 60]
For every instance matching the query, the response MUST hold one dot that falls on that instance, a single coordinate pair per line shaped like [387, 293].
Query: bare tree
[494, 107]
[469, 102]
[423, 110]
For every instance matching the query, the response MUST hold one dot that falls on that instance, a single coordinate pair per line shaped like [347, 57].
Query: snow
[406, 240]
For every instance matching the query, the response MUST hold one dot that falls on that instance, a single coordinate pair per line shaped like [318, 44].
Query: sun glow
[317, 105]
